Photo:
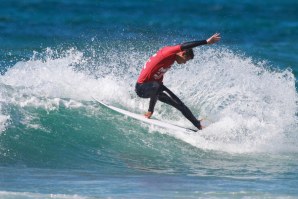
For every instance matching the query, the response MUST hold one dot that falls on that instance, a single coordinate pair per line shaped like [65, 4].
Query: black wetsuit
[157, 91]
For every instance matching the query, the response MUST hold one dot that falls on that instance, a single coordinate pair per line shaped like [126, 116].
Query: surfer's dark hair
[187, 47]
[189, 53]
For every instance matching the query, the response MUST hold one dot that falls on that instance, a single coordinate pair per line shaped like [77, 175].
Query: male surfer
[150, 82]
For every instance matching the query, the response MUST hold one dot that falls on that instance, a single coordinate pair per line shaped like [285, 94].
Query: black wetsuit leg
[170, 98]
[157, 91]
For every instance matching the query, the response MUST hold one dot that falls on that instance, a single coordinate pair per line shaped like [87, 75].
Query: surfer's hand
[214, 38]
[200, 127]
[148, 114]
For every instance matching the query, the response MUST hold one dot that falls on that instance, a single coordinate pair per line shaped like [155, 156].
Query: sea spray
[252, 106]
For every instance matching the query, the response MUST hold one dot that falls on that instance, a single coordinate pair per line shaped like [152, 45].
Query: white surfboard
[146, 120]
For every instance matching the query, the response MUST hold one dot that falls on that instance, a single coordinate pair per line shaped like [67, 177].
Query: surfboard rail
[142, 118]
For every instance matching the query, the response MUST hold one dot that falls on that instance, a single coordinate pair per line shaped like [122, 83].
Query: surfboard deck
[142, 118]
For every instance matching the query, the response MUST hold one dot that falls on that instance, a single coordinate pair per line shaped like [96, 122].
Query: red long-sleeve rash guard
[158, 64]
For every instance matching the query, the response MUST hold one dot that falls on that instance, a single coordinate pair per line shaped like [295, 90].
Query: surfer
[150, 82]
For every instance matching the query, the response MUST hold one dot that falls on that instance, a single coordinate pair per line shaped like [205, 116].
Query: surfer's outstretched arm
[213, 39]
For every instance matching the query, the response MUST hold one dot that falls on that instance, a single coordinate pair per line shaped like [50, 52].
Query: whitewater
[51, 127]
[251, 105]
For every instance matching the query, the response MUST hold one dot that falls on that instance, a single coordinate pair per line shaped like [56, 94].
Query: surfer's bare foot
[148, 114]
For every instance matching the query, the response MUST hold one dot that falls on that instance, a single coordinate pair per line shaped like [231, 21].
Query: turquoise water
[56, 142]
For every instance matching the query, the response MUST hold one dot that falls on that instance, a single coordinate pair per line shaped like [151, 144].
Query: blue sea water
[56, 142]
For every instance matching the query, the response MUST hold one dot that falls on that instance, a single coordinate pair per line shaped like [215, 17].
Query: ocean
[57, 142]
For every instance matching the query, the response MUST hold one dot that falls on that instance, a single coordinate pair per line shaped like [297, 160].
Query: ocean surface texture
[57, 142]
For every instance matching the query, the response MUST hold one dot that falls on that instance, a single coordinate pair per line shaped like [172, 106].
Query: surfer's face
[182, 58]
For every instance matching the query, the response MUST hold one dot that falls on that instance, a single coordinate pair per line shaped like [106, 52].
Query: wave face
[48, 117]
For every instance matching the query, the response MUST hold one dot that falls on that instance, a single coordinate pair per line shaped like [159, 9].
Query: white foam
[24, 195]
[252, 107]
[4, 118]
